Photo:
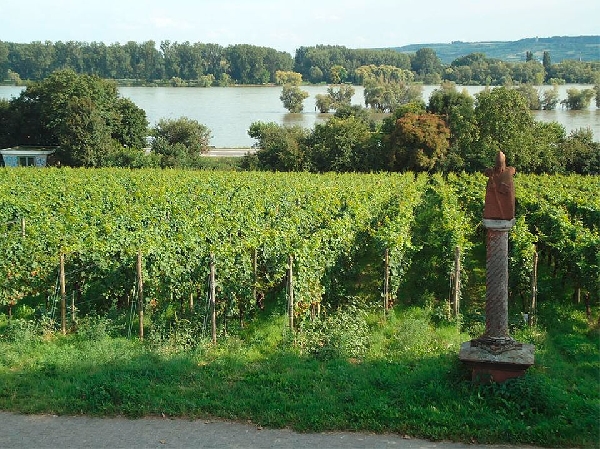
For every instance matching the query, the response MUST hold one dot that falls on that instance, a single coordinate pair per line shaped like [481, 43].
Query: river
[229, 111]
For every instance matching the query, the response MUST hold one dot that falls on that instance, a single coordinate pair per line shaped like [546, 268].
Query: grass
[399, 375]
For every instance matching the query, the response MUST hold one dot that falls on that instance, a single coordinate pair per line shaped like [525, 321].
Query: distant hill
[585, 48]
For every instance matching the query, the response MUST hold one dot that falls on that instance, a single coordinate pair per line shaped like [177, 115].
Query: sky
[287, 25]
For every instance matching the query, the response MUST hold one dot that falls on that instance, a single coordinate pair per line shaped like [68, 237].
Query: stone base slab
[488, 365]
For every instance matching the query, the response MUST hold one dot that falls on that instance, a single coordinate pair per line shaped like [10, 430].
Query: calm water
[229, 111]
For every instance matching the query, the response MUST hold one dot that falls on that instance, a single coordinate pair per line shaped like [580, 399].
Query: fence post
[533, 311]
[386, 282]
[140, 286]
[213, 311]
[290, 282]
[456, 287]
[63, 296]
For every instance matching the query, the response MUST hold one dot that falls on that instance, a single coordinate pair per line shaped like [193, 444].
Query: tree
[292, 98]
[546, 60]
[504, 123]
[531, 95]
[578, 99]
[581, 154]
[323, 102]
[335, 98]
[82, 114]
[287, 77]
[280, 148]
[181, 137]
[386, 97]
[550, 98]
[338, 74]
[419, 142]
[457, 110]
[340, 144]
[427, 65]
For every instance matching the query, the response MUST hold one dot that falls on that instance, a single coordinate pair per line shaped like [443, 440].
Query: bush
[342, 334]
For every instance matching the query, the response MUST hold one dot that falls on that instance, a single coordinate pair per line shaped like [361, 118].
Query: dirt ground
[65, 432]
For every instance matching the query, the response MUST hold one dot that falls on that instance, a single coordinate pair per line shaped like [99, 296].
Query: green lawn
[350, 371]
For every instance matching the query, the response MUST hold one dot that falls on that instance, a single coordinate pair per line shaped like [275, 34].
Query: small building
[26, 156]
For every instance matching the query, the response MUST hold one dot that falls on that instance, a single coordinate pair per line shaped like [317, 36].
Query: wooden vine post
[63, 296]
[23, 226]
[456, 285]
[533, 311]
[290, 289]
[386, 282]
[140, 288]
[212, 299]
[254, 275]
[73, 315]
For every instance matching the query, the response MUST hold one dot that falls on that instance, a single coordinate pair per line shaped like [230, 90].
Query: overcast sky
[287, 25]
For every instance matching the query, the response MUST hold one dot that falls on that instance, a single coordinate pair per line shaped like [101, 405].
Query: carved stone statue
[500, 191]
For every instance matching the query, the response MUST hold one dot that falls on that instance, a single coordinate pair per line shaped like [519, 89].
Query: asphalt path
[229, 152]
[65, 432]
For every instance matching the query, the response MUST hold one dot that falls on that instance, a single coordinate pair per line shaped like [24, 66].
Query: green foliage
[292, 97]
[289, 77]
[281, 148]
[339, 144]
[419, 142]
[578, 99]
[342, 334]
[399, 370]
[408, 381]
[180, 142]
[81, 113]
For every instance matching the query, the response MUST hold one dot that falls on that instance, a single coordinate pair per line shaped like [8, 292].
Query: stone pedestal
[495, 356]
[496, 363]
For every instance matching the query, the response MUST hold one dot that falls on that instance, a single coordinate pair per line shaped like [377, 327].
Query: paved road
[230, 152]
[65, 432]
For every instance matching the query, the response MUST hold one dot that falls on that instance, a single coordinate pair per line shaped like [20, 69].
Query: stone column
[495, 356]
[496, 292]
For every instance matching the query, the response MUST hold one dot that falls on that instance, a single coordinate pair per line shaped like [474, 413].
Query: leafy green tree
[130, 124]
[323, 102]
[457, 110]
[419, 142]
[292, 98]
[546, 60]
[280, 148]
[182, 138]
[578, 99]
[581, 153]
[340, 145]
[531, 95]
[336, 98]
[315, 75]
[550, 98]
[288, 77]
[82, 114]
[88, 137]
[547, 156]
[338, 74]
[504, 123]
[426, 64]
[4, 63]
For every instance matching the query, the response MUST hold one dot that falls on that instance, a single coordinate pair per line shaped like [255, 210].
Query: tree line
[93, 126]
[206, 64]
[453, 132]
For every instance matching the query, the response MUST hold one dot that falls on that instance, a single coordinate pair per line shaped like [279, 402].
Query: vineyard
[175, 243]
